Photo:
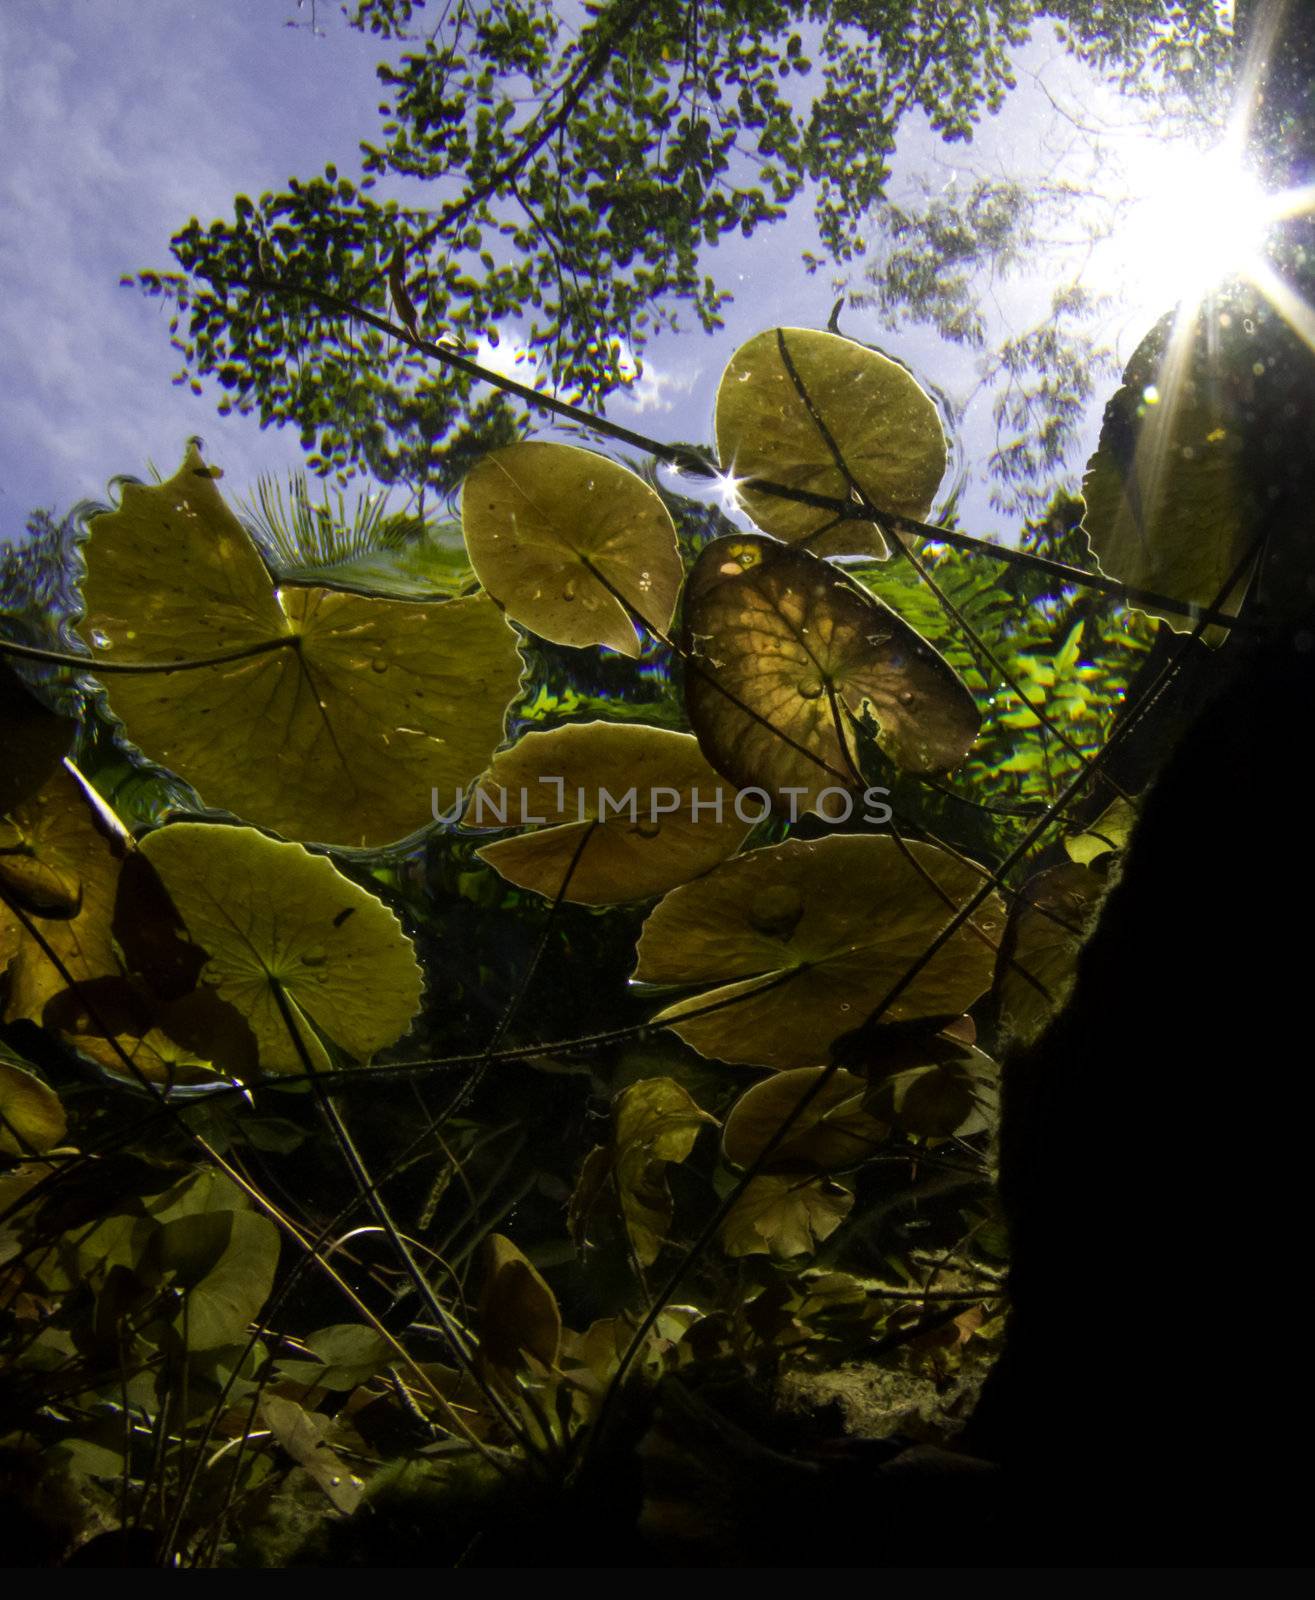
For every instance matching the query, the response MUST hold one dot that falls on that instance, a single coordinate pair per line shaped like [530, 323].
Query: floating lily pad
[337, 734]
[832, 1131]
[60, 853]
[785, 650]
[796, 944]
[868, 408]
[571, 543]
[32, 1119]
[1171, 504]
[275, 919]
[631, 788]
[785, 1214]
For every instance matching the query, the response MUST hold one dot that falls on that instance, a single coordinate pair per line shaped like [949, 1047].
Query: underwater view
[652, 833]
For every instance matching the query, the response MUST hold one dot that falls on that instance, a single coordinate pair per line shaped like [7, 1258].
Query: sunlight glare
[1199, 218]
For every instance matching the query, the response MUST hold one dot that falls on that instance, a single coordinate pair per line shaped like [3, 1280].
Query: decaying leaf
[633, 789]
[787, 654]
[859, 404]
[350, 709]
[572, 544]
[794, 945]
[276, 920]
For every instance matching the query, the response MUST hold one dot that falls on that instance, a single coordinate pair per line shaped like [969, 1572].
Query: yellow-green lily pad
[276, 920]
[572, 544]
[855, 403]
[341, 727]
[630, 788]
[786, 653]
[1171, 503]
[792, 946]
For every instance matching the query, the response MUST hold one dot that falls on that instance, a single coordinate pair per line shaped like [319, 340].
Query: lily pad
[785, 1214]
[785, 651]
[337, 731]
[832, 1131]
[631, 788]
[60, 853]
[32, 1119]
[796, 944]
[1171, 504]
[275, 919]
[869, 409]
[572, 544]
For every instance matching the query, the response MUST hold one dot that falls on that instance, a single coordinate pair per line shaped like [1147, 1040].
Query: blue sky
[122, 118]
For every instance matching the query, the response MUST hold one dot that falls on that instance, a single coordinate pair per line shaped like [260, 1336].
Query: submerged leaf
[32, 1119]
[301, 1433]
[59, 862]
[517, 1310]
[784, 1214]
[794, 945]
[337, 731]
[787, 653]
[832, 1131]
[873, 412]
[939, 1098]
[656, 1122]
[631, 788]
[276, 920]
[571, 543]
[225, 1261]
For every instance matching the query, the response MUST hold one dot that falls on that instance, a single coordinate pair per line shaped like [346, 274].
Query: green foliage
[583, 173]
[266, 1110]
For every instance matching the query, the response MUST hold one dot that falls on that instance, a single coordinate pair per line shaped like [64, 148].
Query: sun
[1197, 218]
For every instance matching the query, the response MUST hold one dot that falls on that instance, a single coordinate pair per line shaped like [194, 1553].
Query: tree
[582, 173]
